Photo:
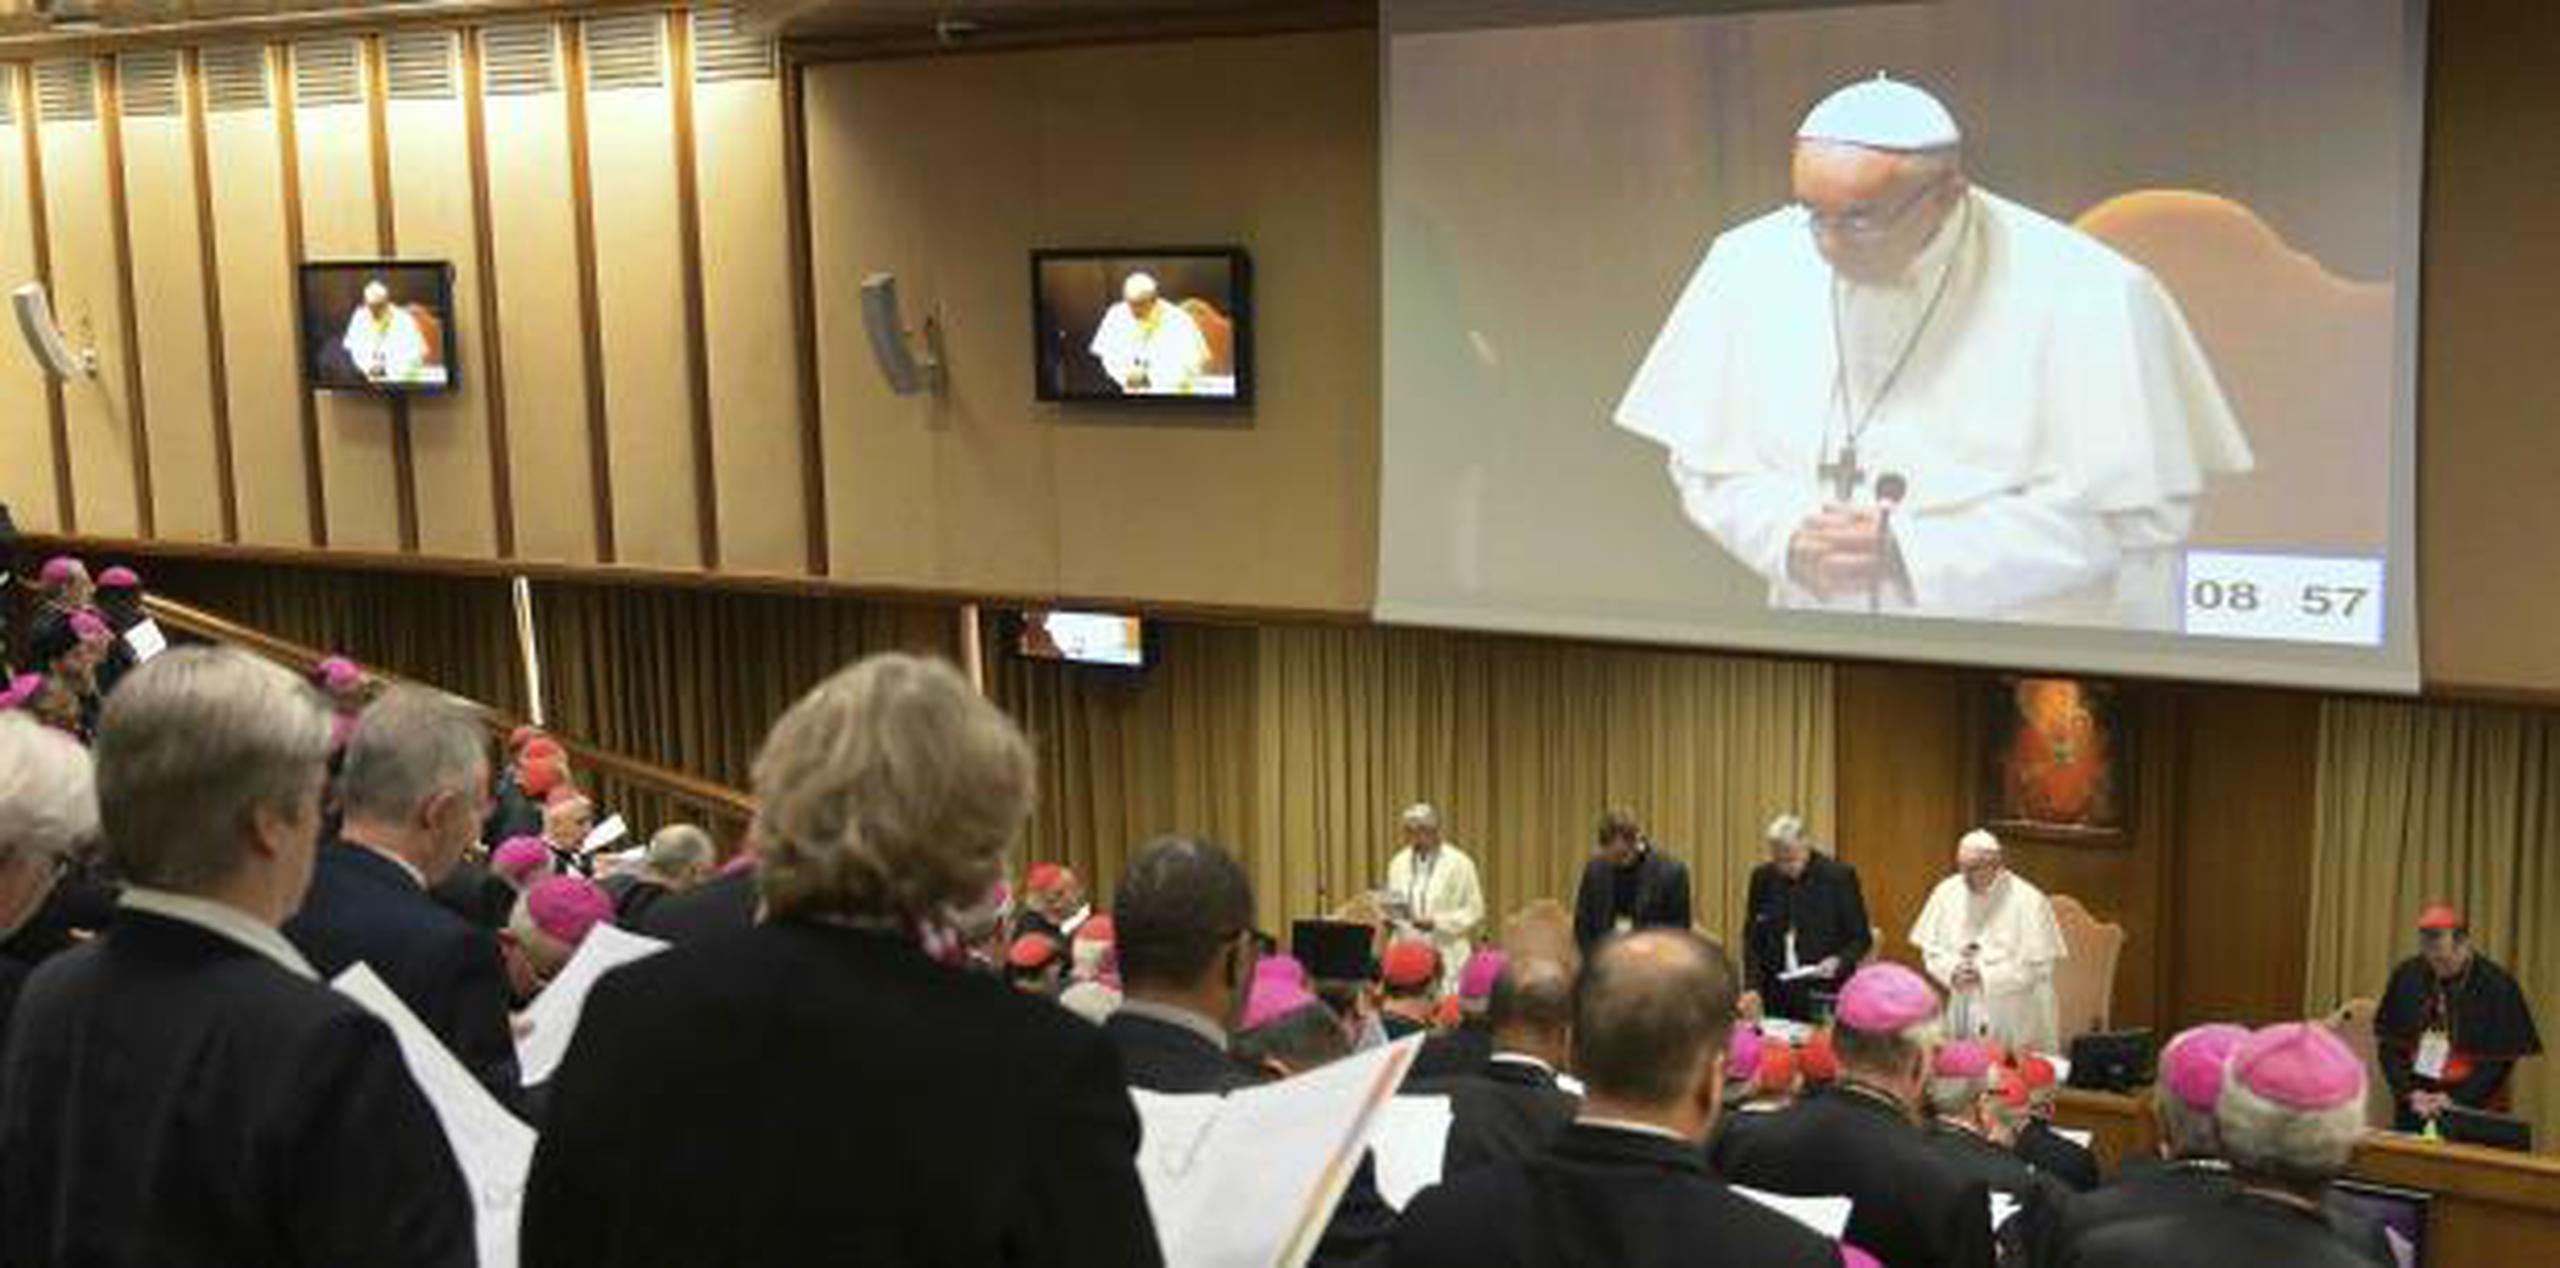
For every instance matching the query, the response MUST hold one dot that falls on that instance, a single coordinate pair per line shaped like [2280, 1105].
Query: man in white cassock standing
[1433, 891]
[1991, 940]
[1903, 393]
[385, 341]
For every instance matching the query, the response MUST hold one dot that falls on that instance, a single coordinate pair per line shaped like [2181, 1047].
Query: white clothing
[1445, 892]
[1163, 354]
[2053, 419]
[389, 349]
[2014, 942]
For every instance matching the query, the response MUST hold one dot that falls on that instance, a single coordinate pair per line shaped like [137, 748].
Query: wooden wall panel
[2242, 889]
[334, 144]
[260, 344]
[432, 215]
[533, 231]
[177, 363]
[640, 302]
[747, 282]
[26, 423]
[87, 300]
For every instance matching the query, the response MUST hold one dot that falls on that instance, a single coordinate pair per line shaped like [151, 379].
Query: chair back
[2084, 984]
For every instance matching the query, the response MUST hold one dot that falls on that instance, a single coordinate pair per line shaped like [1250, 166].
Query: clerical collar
[1524, 1059]
[221, 920]
[1959, 1125]
[1175, 1015]
[2214, 1165]
[1632, 1127]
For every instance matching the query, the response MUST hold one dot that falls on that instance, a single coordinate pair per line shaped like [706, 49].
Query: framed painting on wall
[2055, 758]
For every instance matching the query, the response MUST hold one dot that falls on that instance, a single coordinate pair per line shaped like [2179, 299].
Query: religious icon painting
[2055, 758]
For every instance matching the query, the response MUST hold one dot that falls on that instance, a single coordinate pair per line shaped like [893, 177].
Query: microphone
[1890, 489]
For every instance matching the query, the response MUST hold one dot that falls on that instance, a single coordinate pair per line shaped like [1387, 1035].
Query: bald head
[1874, 210]
[1650, 1014]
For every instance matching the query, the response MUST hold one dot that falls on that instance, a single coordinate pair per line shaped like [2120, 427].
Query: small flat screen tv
[1111, 639]
[383, 326]
[1161, 325]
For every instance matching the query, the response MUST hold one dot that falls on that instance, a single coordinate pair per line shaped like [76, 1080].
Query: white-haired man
[1432, 890]
[1990, 939]
[182, 1089]
[680, 856]
[48, 811]
[1903, 393]
[1149, 346]
[1808, 925]
[385, 341]
[2290, 1113]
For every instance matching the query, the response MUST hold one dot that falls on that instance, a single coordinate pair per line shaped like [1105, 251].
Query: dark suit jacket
[1662, 897]
[798, 1093]
[723, 904]
[173, 1098]
[1509, 1111]
[1162, 1057]
[363, 907]
[1911, 1210]
[1829, 914]
[1453, 1053]
[2235, 1230]
[476, 894]
[1600, 1198]
[2141, 1191]
[2045, 1150]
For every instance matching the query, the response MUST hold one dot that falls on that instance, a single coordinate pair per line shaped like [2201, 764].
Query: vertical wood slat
[58, 415]
[804, 317]
[386, 233]
[281, 70]
[493, 369]
[120, 237]
[209, 256]
[706, 486]
[573, 48]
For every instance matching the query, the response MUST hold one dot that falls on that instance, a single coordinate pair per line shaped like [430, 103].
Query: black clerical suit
[2065, 1161]
[1826, 912]
[1911, 1210]
[801, 1093]
[2143, 1190]
[1651, 892]
[1600, 1197]
[1453, 1053]
[2484, 1016]
[2039, 1197]
[1512, 1110]
[173, 1097]
[363, 906]
[476, 894]
[2234, 1230]
[720, 905]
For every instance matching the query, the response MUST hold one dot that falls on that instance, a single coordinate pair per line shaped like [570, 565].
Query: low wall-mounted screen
[378, 326]
[1142, 325]
[2068, 334]
[1083, 638]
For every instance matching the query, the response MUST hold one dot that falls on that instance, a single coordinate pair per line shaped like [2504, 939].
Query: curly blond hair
[892, 791]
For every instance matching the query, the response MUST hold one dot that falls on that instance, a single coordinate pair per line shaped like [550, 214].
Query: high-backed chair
[2352, 1022]
[1218, 331]
[2084, 985]
[432, 327]
[2304, 356]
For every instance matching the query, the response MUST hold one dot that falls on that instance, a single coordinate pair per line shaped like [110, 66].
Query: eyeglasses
[1868, 222]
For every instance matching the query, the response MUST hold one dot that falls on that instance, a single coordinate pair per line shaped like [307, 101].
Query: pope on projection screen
[1903, 393]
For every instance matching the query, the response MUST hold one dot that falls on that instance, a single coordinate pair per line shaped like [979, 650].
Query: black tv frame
[311, 380]
[1240, 312]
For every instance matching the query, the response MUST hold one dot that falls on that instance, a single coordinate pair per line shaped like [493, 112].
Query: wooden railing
[627, 781]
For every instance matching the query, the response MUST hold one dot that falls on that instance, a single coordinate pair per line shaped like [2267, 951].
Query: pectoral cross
[1844, 473]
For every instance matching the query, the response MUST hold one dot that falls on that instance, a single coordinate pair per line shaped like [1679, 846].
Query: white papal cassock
[2014, 943]
[2053, 426]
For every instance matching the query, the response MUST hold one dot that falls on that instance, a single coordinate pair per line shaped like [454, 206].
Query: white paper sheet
[1249, 1180]
[604, 834]
[1827, 1216]
[1800, 974]
[494, 1147]
[2079, 1138]
[2003, 1209]
[554, 1015]
[1412, 1145]
[146, 640]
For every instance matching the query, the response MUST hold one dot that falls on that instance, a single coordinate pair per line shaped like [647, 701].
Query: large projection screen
[2084, 340]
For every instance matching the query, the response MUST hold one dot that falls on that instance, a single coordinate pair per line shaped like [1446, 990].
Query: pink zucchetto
[59, 569]
[1484, 968]
[1963, 1059]
[1742, 1054]
[519, 857]
[1284, 969]
[337, 673]
[1272, 999]
[89, 627]
[2300, 1066]
[119, 578]
[566, 907]
[19, 690]
[1885, 998]
[2191, 1066]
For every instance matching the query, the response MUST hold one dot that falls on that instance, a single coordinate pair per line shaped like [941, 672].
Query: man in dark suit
[182, 1089]
[1860, 1138]
[1628, 885]
[723, 904]
[817, 1089]
[414, 788]
[1513, 1108]
[1184, 918]
[1807, 927]
[1625, 1185]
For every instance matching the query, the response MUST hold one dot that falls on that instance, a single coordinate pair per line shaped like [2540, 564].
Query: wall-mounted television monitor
[1144, 324]
[1112, 639]
[378, 326]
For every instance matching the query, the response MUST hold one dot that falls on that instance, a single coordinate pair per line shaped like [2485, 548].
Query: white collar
[1632, 1127]
[1175, 1015]
[397, 861]
[222, 920]
[1522, 1058]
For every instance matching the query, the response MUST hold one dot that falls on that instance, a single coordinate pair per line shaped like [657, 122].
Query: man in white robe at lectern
[1903, 393]
[1990, 939]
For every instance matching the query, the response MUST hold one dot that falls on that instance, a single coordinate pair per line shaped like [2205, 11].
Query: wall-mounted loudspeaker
[44, 339]
[910, 364]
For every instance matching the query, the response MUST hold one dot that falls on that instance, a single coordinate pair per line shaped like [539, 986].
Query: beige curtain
[1296, 745]
[456, 633]
[2426, 802]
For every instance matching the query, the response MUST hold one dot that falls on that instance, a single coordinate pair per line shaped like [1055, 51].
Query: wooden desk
[2492, 1208]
